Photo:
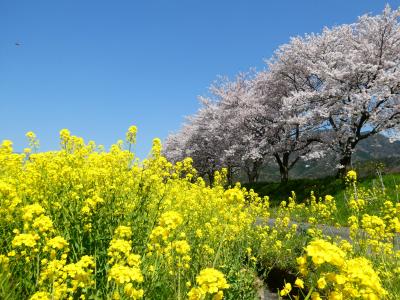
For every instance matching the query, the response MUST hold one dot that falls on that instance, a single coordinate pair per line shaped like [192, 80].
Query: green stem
[219, 247]
[309, 294]
[179, 280]
[37, 269]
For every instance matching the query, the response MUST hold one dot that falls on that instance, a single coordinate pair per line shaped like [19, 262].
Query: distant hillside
[369, 153]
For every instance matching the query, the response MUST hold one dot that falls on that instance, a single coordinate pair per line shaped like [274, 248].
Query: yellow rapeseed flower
[299, 283]
[124, 274]
[286, 290]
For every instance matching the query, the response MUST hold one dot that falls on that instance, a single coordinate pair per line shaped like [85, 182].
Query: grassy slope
[278, 192]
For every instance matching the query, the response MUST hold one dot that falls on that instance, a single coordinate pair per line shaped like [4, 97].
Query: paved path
[264, 293]
[342, 232]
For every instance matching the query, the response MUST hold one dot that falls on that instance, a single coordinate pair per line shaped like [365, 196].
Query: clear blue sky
[96, 67]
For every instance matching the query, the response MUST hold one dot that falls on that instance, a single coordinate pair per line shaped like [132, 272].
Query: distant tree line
[319, 93]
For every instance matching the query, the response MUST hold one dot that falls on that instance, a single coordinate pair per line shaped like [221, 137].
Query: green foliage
[386, 186]
[278, 192]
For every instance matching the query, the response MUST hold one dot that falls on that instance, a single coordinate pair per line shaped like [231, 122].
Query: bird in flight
[17, 44]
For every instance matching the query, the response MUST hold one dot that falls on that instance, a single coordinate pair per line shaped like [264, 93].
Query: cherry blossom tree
[234, 102]
[283, 127]
[215, 136]
[197, 139]
[354, 72]
[320, 92]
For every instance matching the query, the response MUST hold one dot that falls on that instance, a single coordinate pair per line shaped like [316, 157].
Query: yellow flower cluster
[286, 289]
[83, 222]
[90, 204]
[322, 251]
[170, 245]
[36, 227]
[210, 281]
[125, 266]
[321, 210]
[351, 176]
[65, 280]
[131, 135]
[340, 277]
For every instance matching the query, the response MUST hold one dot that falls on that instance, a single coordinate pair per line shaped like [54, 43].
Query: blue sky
[97, 67]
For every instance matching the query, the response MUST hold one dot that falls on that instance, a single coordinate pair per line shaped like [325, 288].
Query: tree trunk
[283, 166]
[284, 174]
[229, 175]
[253, 171]
[211, 177]
[345, 163]
[252, 175]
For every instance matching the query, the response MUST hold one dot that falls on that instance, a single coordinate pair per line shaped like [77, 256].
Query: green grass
[384, 186]
[278, 192]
